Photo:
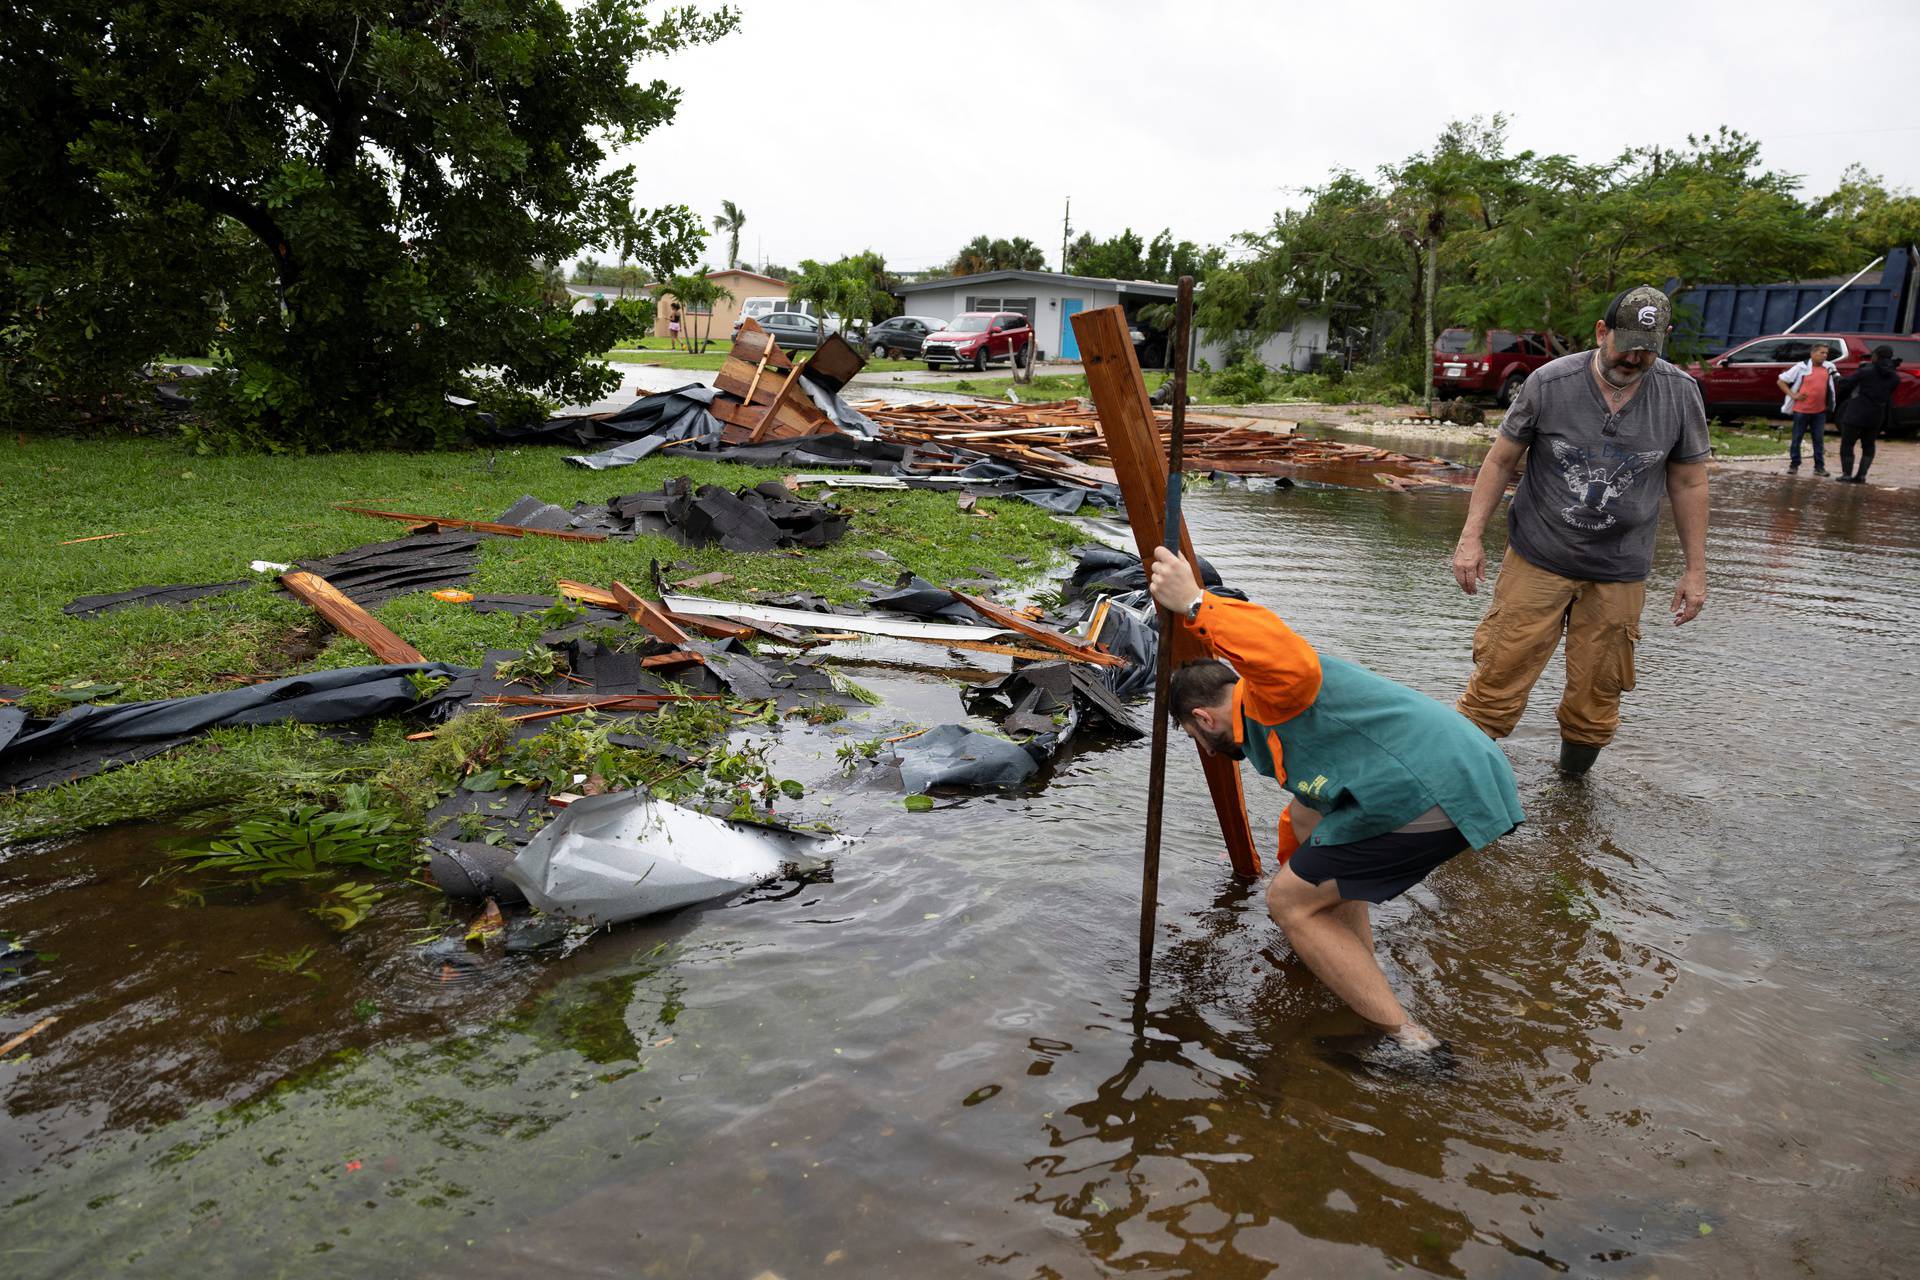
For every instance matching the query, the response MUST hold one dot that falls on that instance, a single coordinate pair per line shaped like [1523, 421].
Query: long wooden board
[348, 618]
[478, 526]
[1012, 621]
[1133, 441]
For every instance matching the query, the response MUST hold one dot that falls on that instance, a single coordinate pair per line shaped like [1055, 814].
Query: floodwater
[1682, 999]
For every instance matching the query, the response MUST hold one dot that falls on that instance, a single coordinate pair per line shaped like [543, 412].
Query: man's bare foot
[1411, 1035]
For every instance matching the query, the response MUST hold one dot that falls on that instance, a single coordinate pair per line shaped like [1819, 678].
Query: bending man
[1384, 783]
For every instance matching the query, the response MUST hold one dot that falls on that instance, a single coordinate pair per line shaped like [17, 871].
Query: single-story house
[1050, 299]
[739, 284]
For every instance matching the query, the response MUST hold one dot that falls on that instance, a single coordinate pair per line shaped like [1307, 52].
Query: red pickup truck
[976, 337]
[1495, 366]
[1743, 381]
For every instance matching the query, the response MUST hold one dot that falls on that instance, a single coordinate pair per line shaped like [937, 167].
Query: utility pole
[1066, 229]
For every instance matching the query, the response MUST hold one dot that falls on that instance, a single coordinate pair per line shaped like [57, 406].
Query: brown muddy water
[1682, 999]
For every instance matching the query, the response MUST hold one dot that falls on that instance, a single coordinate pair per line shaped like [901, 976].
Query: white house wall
[945, 304]
[1289, 349]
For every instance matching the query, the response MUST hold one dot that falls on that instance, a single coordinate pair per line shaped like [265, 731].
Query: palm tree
[697, 294]
[730, 219]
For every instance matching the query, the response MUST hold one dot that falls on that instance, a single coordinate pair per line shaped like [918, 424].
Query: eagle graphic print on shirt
[1596, 481]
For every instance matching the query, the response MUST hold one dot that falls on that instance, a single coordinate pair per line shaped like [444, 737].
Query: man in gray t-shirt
[1602, 433]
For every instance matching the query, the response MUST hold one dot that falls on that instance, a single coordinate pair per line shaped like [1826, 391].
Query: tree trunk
[1432, 285]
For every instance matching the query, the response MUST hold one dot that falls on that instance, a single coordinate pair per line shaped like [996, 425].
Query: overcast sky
[909, 128]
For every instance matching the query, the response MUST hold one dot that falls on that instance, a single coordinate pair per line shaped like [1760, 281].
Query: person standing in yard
[1599, 431]
[673, 328]
[1868, 407]
[1384, 783]
[1809, 391]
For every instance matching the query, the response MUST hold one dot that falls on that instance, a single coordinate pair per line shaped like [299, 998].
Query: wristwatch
[1193, 610]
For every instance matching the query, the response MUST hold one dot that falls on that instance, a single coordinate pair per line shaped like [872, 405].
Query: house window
[1023, 305]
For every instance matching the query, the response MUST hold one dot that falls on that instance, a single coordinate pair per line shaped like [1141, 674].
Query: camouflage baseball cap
[1639, 319]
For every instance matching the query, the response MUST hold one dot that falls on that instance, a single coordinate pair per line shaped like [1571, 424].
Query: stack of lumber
[1062, 441]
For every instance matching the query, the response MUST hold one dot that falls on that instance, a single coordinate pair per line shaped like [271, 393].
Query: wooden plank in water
[1132, 432]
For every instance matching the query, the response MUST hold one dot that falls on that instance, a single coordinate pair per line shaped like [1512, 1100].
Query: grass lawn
[189, 519]
[1748, 439]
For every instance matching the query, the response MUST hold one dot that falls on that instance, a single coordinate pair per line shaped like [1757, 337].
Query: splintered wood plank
[1132, 431]
[586, 594]
[348, 618]
[478, 526]
[648, 614]
[716, 628]
[1011, 621]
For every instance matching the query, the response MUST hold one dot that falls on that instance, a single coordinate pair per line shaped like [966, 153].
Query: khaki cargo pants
[1532, 609]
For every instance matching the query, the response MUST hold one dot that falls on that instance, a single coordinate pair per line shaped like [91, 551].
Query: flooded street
[1682, 998]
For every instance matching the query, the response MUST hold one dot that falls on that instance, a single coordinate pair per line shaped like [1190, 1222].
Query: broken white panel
[870, 624]
[625, 855]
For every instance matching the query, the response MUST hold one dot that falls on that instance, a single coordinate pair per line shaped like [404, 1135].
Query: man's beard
[1220, 742]
[1621, 376]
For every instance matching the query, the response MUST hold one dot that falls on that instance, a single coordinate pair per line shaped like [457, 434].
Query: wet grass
[184, 518]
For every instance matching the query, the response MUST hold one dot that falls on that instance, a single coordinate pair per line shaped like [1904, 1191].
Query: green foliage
[857, 288]
[983, 253]
[1246, 381]
[729, 220]
[575, 746]
[1469, 233]
[533, 667]
[425, 685]
[292, 962]
[1127, 257]
[306, 842]
[355, 198]
[696, 295]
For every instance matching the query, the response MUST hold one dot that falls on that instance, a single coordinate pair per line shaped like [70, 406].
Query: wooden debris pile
[1062, 441]
[761, 396]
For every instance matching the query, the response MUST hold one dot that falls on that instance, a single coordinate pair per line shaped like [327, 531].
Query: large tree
[361, 192]
[983, 253]
[857, 288]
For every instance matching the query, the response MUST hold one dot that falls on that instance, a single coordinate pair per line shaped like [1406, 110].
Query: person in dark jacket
[1866, 405]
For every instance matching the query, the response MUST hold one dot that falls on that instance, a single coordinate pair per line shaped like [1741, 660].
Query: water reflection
[1681, 1000]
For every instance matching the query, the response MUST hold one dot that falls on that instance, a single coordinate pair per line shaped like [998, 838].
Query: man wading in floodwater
[1385, 783]
[1603, 433]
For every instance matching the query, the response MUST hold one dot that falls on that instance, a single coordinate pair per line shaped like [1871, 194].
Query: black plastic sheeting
[913, 594]
[952, 755]
[90, 739]
[653, 422]
[1103, 569]
[763, 518]
[369, 575]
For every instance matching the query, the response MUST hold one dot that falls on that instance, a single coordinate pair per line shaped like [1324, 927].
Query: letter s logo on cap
[1649, 316]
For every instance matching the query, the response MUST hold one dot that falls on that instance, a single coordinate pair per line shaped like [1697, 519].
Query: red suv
[1497, 365]
[1744, 380]
[976, 337]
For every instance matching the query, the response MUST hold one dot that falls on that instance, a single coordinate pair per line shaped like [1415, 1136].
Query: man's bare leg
[1336, 943]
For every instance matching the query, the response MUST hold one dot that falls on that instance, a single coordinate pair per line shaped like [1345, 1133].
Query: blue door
[1069, 344]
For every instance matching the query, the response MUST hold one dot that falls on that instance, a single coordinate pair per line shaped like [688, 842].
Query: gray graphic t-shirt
[1589, 501]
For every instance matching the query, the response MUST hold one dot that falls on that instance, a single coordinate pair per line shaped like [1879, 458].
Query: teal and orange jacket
[1368, 754]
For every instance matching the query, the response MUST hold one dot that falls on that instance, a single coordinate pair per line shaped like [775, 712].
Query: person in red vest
[1809, 391]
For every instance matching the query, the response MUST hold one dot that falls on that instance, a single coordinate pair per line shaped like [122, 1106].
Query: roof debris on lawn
[1051, 454]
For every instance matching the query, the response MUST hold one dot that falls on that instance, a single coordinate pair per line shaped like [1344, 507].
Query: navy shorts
[1378, 868]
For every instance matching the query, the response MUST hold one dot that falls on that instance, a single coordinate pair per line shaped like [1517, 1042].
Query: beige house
[740, 284]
